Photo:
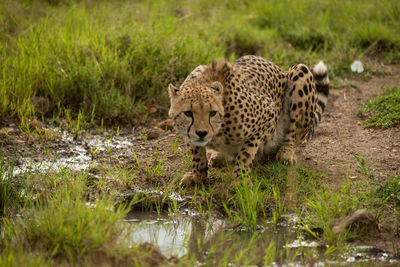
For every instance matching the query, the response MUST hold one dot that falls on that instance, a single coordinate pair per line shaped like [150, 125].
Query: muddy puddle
[76, 154]
[179, 236]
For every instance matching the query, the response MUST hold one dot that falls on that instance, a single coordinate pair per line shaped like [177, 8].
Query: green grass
[383, 111]
[59, 225]
[108, 60]
[249, 203]
[390, 191]
[10, 188]
[273, 190]
[327, 206]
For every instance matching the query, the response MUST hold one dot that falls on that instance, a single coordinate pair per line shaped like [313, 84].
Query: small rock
[35, 124]
[167, 124]
[7, 130]
[357, 216]
[179, 12]
[153, 255]
[153, 110]
[154, 133]
[42, 105]
[359, 123]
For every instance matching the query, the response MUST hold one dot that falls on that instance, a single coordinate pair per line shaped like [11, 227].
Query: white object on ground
[357, 66]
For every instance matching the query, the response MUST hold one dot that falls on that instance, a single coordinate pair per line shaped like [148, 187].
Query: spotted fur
[246, 111]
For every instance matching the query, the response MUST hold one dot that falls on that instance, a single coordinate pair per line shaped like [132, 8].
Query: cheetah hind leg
[287, 155]
[302, 100]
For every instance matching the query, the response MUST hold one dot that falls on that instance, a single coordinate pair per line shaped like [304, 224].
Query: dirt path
[341, 132]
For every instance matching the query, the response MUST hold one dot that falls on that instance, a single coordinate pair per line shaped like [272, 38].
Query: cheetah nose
[201, 134]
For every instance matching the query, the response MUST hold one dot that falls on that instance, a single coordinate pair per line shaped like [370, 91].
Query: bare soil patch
[341, 132]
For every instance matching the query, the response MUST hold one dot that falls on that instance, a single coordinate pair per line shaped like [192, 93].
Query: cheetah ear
[217, 86]
[172, 91]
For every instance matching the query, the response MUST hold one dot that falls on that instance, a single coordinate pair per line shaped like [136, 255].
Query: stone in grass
[36, 125]
[152, 254]
[358, 216]
[153, 110]
[154, 133]
[166, 125]
[42, 105]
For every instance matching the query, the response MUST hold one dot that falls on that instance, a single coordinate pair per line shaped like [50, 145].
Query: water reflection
[178, 236]
[170, 235]
[216, 242]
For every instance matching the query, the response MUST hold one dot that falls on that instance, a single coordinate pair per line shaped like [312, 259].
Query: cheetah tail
[320, 72]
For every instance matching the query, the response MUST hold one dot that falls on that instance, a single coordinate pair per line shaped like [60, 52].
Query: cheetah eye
[213, 113]
[188, 113]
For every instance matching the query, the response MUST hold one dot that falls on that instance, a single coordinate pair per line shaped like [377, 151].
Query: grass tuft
[61, 225]
[10, 187]
[250, 202]
[323, 209]
[383, 111]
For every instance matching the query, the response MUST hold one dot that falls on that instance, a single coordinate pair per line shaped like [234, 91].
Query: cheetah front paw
[286, 156]
[191, 178]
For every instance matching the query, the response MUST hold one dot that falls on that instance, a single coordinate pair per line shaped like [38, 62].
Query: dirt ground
[341, 133]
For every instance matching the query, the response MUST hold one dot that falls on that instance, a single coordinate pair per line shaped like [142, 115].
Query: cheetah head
[197, 110]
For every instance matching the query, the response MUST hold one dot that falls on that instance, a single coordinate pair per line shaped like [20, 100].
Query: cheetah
[247, 111]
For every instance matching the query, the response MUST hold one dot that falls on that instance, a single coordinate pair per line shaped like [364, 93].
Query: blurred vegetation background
[110, 60]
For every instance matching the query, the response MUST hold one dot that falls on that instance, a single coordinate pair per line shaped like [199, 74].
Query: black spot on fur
[304, 69]
[246, 154]
[305, 89]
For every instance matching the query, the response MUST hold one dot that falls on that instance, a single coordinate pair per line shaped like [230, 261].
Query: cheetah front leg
[245, 158]
[199, 171]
